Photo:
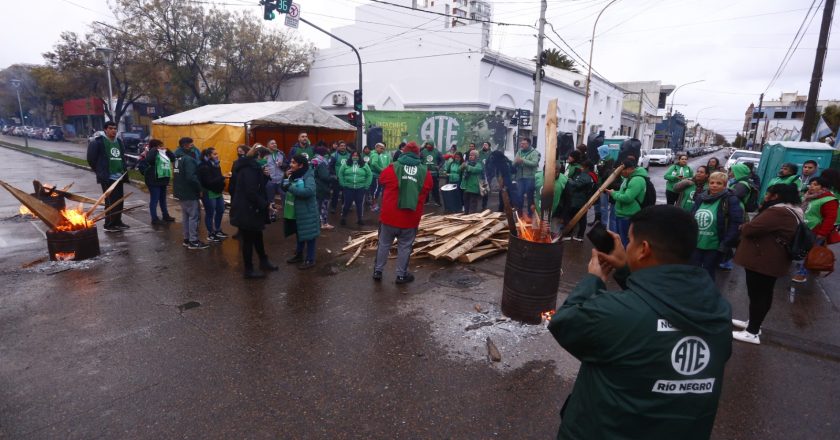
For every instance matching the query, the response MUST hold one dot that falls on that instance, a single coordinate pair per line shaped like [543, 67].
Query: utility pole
[639, 116]
[755, 133]
[538, 73]
[810, 121]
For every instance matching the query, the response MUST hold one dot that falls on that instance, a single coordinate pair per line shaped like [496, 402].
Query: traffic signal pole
[360, 123]
[810, 121]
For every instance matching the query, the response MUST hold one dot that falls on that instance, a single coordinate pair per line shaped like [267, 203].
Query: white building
[642, 103]
[427, 65]
[781, 119]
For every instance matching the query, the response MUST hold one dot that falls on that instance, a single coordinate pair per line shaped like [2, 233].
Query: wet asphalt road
[101, 349]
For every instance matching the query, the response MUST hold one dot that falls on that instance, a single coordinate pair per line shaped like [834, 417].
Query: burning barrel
[77, 245]
[532, 277]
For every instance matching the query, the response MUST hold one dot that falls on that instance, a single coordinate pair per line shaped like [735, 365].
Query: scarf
[407, 169]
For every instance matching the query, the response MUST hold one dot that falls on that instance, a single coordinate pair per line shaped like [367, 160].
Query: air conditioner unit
[339, 99]
[577, 83]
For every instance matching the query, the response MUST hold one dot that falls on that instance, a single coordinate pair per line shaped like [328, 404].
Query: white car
[743, 156]
[660, 156]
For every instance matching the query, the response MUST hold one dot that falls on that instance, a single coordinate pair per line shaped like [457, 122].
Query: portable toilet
[777, 153]
[614, 144]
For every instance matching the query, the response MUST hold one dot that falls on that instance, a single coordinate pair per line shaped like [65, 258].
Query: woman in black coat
[249, 210]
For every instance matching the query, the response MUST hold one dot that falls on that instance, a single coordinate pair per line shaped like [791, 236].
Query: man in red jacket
[406, 184]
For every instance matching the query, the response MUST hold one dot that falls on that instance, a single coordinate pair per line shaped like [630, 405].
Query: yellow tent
[226, 126]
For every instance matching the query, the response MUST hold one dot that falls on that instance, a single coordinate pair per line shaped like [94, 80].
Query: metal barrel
[532, 277]
[451, 198]
[83, 244]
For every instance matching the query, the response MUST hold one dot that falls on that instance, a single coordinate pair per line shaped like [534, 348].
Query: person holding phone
[634, 344]
[674, 174]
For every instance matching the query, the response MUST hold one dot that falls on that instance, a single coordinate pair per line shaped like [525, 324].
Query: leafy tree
[740, 141]
[831, 114]
[719, 139]
[557, 59]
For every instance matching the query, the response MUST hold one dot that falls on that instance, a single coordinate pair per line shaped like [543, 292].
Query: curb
[22, 149]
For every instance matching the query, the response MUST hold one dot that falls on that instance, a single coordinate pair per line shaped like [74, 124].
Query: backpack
[803, 240]
[751, 201]
[650, 194]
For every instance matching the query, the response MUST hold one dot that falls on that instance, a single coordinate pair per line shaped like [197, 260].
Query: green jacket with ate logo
[652, 355]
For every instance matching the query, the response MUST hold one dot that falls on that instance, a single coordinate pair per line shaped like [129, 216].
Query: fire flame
[532, 229]
[65, 256]
[75, 220]
[546, 315]
[23, 210]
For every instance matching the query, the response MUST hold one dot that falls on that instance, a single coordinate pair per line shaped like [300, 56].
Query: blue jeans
[526, 194]
[157, 196]
[213, 211]
[272, 188]
[310, 250]
[604, 208]
[612, 225]
[351, 196]
[707, 259]
[623, 228]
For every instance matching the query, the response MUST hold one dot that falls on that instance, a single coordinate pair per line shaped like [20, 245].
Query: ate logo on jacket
[689, 356]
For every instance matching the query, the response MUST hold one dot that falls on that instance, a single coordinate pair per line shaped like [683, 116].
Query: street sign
[293, 16]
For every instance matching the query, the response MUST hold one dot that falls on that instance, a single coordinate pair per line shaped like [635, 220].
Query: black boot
[266, 265]
[253, 274]
[296, 259]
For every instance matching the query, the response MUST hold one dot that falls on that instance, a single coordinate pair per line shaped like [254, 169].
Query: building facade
[642, 102]
[780, 119]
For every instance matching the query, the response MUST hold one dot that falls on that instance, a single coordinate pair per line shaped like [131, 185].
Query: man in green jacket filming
[652, 355]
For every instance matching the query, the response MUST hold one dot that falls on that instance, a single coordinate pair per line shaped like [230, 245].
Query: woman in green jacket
[471, 174]
[301, 213]
[453, 175]
[676, 173]
[354, 176]
[688, 189]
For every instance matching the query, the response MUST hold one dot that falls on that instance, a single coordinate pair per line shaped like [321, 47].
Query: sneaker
[169, 219]
[796, 278]
[577, 238]
[327, 226]
[198, 244]
[745, 336]
[267, 266]
[122, 226]
[156, 221]
[110, 228]
[213, 239]
[405, 279]
[253, 274]
[221, 235]
[296, 259]
[375, 208]
[567, 238]
[186, 243]
[726, 266]
[377, 275]
[737, 323]
[307, 265]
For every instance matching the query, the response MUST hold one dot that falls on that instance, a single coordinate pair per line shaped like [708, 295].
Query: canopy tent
[226, 126]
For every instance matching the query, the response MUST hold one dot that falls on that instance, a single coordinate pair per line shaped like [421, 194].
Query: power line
[397, 59]
[789, 54]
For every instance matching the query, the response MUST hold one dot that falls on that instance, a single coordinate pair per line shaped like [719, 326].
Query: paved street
[113, 347]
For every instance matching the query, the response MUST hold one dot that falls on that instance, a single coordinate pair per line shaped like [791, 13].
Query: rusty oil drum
[83, 244]
[532, 277]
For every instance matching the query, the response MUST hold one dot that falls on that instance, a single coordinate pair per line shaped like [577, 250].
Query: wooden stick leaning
[547, 193]
[104, 195]
[49, 215]
[113, 205]
[592, 200]
[100, 217]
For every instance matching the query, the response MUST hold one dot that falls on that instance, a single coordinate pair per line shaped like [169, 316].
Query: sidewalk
[114, 348]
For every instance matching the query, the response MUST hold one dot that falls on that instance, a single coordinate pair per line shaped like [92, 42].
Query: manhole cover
[456, 278]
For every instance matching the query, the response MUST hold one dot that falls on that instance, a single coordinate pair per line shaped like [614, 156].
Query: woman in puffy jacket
[249, 210]
[763, 255]
[354, 177]
[719, 215]
[301, 210]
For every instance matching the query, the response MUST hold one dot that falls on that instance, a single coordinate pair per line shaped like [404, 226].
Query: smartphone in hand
[600, 238]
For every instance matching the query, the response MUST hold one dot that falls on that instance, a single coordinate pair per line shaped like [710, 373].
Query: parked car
[743, 156]
[660, 156]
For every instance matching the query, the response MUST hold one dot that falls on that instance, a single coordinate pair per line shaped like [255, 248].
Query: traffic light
[269, 7]
[353, 119]
[357, 100]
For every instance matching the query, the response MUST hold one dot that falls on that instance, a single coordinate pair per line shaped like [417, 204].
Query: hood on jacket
[685, 296]
[181, 152]
[740, 171]
[245, 162]
[709, 197]
[408, 159]
[639, 171]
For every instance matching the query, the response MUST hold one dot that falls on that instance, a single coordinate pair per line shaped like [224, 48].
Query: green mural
[444, 128]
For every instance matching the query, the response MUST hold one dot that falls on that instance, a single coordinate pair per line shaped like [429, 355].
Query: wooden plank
[477, 228]
[444, 248]
[472, 242]
[452, 230]
[473, 256]
[353, 243]
[49, 215]
[607, 182]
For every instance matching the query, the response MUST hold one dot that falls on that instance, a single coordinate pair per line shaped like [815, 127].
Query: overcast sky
[734, 45]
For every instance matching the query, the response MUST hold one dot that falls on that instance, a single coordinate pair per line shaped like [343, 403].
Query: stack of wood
[462, 237]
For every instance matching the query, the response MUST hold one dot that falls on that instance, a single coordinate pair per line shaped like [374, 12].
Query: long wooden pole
[547, 193]
[592, 200]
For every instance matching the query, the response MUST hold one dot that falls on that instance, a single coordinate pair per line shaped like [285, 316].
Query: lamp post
[108, 56]
[697, 122]
[16, 84]
[589, 70]
[671, 112]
